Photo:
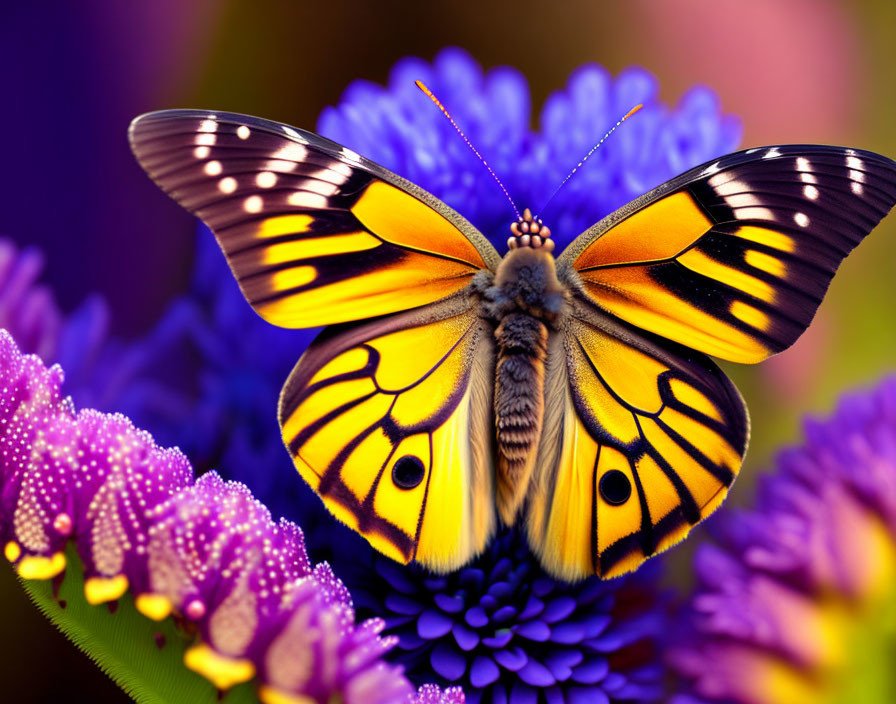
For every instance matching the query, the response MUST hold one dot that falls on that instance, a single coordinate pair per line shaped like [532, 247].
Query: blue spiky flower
[507, 632]
[397, 127]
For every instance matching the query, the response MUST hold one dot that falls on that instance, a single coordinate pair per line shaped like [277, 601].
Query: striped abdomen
[519, 405]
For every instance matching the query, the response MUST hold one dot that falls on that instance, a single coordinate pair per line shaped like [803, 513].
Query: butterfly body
[455, 389]
[526, 304]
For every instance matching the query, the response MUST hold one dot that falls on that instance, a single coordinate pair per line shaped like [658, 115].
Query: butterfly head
[530, 231]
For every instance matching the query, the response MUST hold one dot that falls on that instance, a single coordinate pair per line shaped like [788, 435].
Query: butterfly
[455, 390]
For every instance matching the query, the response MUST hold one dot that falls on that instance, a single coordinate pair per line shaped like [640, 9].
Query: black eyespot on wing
[615, 488]
[408, 472]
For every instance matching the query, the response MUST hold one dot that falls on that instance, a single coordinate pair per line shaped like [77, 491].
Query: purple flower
[507, 632]
[206, 551]
[397, 127]
[794, 601]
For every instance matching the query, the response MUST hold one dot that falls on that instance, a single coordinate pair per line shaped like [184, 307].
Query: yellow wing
[391, 423]
[733, 258]
[642, 439]
[314, 233]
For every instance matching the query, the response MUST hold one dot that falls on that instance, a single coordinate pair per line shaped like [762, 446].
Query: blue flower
[507, 632]
[397, 127]
[794, 602]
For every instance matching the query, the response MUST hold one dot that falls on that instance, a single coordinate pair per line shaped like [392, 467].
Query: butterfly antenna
[593, 149]
[422, 86]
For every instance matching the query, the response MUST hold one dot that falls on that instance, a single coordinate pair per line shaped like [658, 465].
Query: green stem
[143, 657]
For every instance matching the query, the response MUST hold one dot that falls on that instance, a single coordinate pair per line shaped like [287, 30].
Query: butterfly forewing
[314, 233]
[733, 257]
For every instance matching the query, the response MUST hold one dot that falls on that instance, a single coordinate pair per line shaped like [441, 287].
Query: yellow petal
[220, 670]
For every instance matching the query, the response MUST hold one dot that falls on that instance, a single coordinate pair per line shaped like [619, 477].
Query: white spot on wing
[730, 187]
[323, 187]
[208, 126]
[754, 214]
[743, 200]
[205, 139]
[242, 132]
[304, 199]
[350, 155]
[711, 169]
[804, 167]
[719, 179]
[857, 177]
[811, 192]
[341, 168]
[213, 168]
[201, 152]
[289, 131]
[737, 194]
[801, 219]
[281, 165]
[853, 162]
[227, 185]
[253, 204]
[334, 175]
[266, 179]
[772, 153]
[291, 152]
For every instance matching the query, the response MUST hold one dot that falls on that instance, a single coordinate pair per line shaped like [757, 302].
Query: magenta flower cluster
[204, 549]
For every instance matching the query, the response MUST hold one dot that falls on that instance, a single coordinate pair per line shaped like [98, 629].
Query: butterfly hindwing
[733, 257]
[391, 423]
[642, 439]
[315, 234]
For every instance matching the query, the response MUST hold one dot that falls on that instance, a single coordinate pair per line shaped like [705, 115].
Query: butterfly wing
[733, 257]
[391, 422]
[314, 233]
[387, 419]
[642, 438]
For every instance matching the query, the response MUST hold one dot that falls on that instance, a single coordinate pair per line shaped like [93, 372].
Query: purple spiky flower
[794, 600]
[204, 550]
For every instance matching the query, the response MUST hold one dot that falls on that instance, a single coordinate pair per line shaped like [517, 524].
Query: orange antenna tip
[429, 94]
[592, 150]
[627, 115]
